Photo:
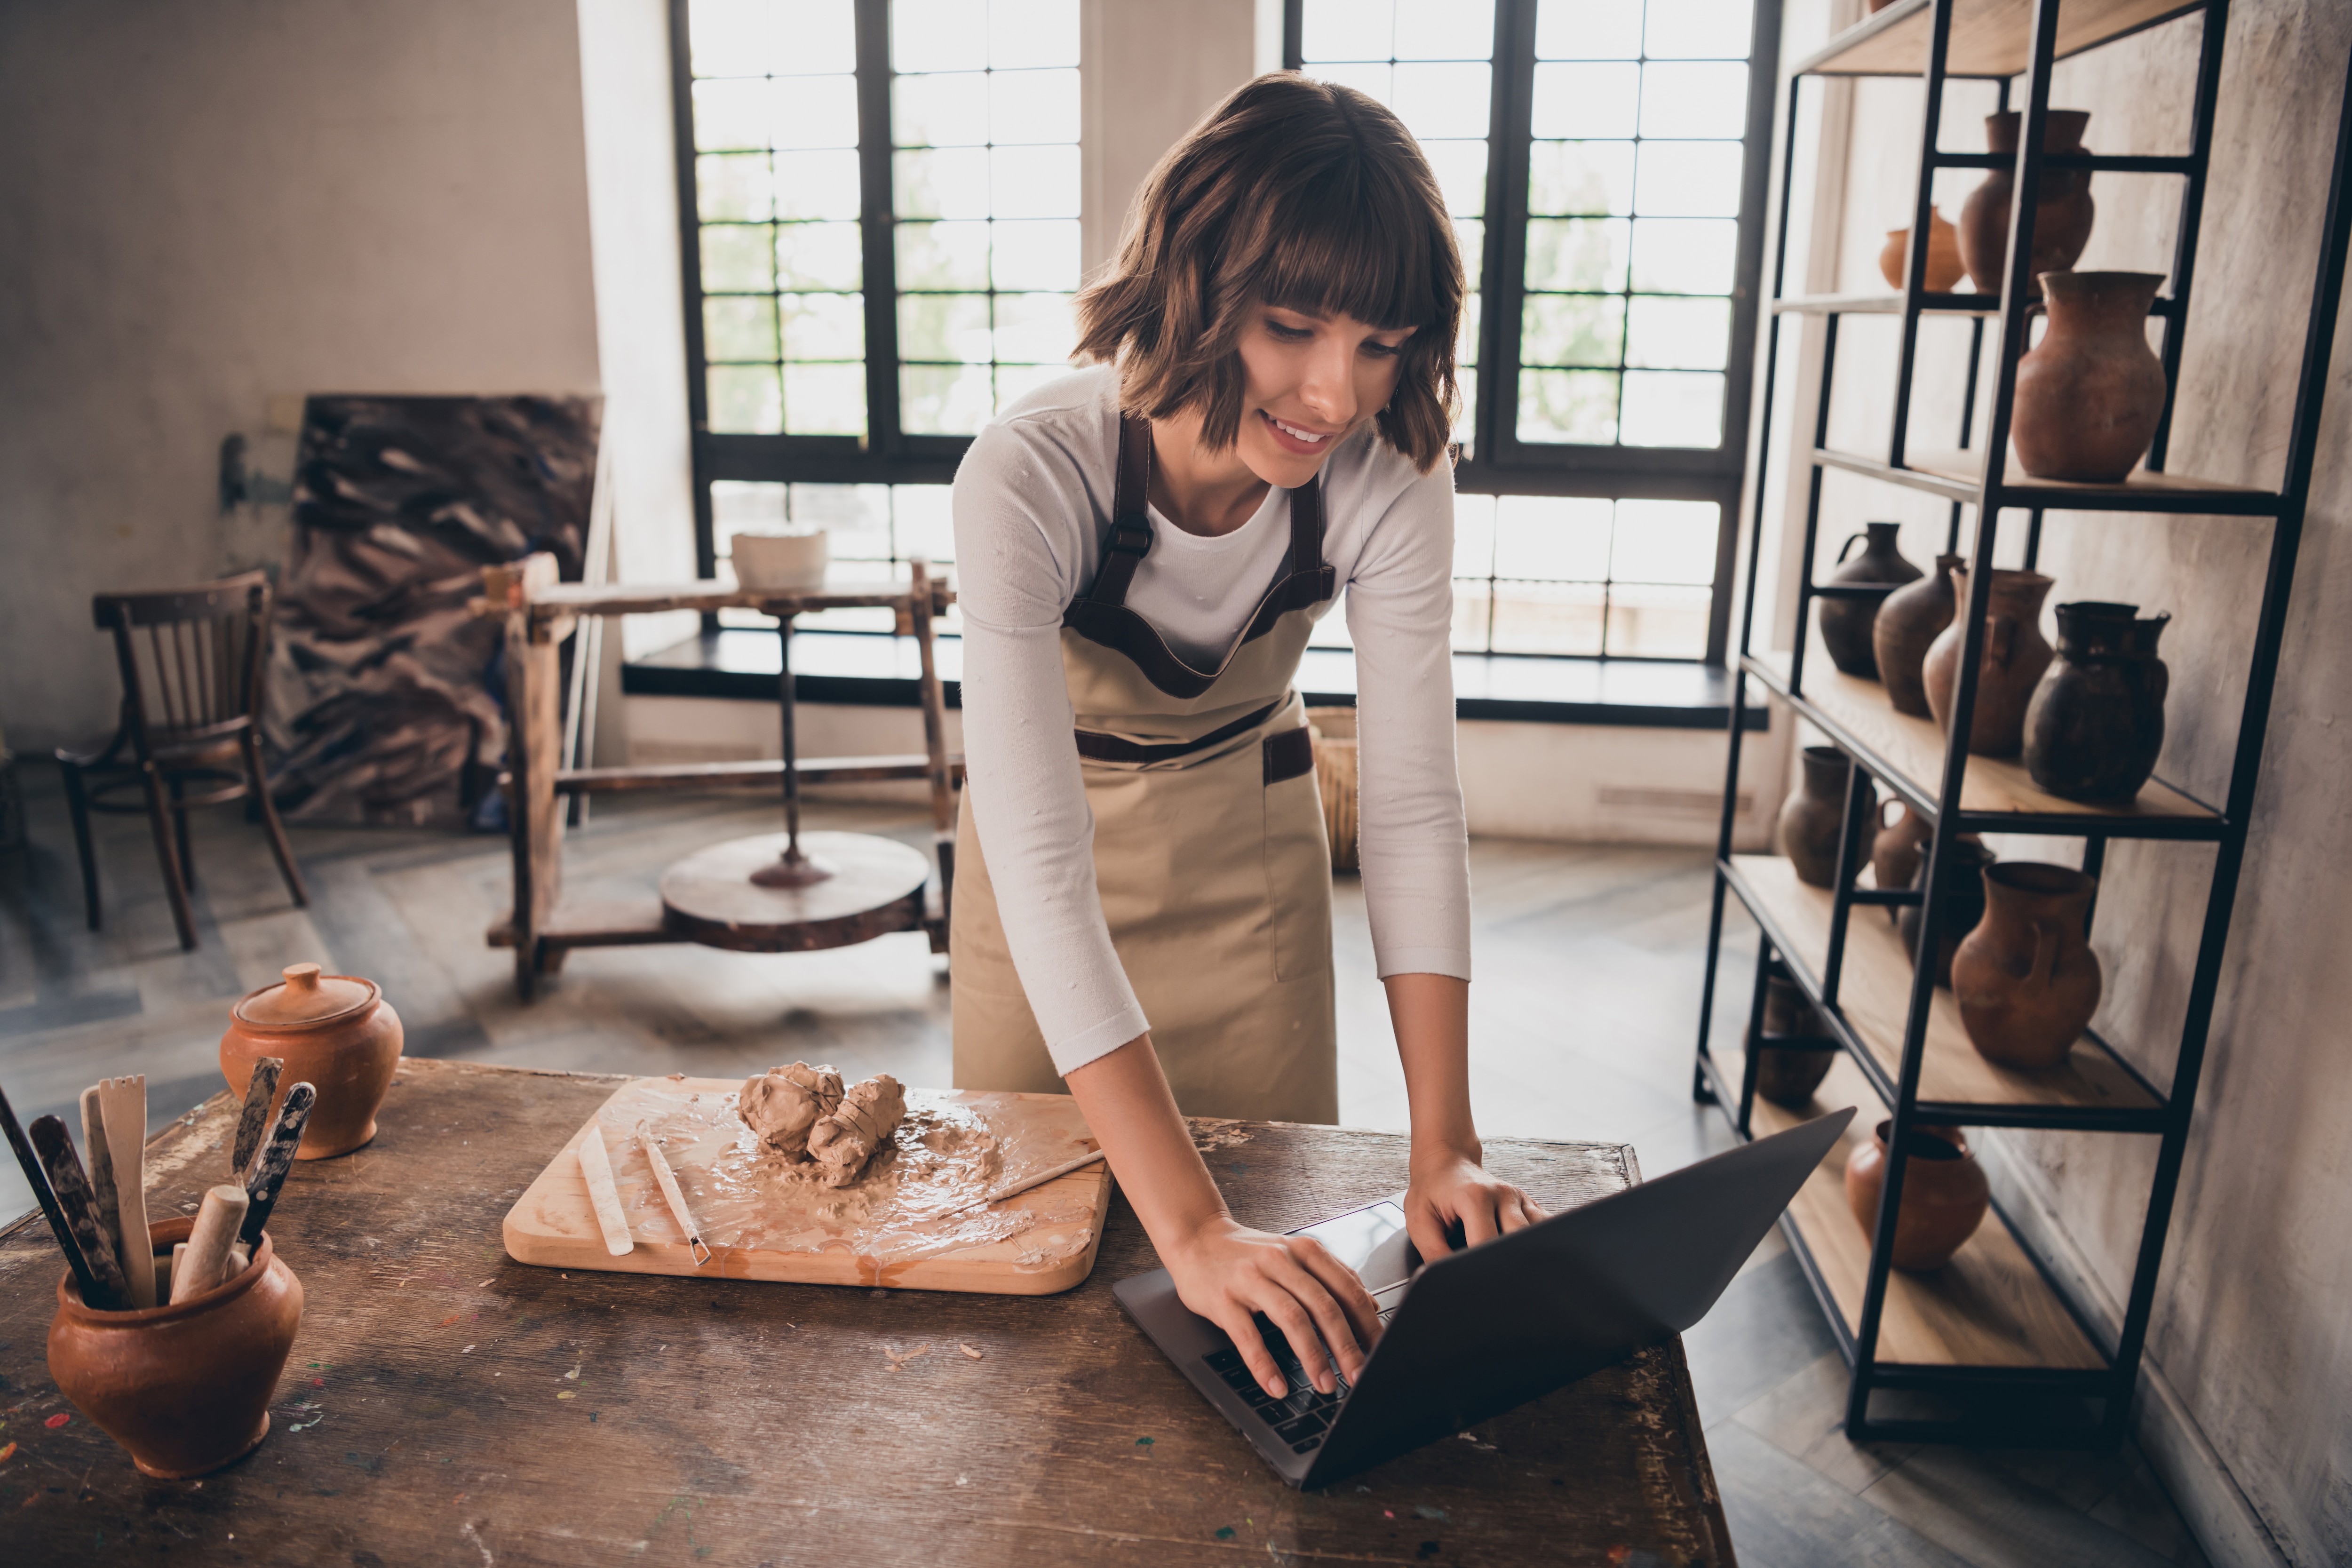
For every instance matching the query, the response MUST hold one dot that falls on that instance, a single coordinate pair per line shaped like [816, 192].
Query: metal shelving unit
[1992, 1334]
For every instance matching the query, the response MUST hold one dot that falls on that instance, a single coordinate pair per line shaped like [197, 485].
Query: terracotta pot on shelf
[2026, 979]
[2095, 725]
[185, 1388]
[1944, 1194]
[2063, 207]
[2090, 392]
[1900, 845]
[335, 1032]
[1905, 627]
[1846, 623]
[1945, 267]
[1786, 1074]
[1964, 904]
[1812, 817]
[2015, 655]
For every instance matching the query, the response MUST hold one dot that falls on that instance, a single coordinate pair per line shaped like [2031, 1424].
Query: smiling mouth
[1312, 437]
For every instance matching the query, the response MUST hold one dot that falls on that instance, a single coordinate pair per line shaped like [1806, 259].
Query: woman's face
[1309, 380]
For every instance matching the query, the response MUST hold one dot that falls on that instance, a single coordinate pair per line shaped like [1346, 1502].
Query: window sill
[851, 668]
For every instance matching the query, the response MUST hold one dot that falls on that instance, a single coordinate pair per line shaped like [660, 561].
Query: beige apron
[1210, 851]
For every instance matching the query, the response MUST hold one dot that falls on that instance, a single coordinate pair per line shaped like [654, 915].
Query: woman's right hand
[1225, 1272]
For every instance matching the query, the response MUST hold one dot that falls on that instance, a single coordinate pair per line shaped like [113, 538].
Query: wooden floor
[1589, 958]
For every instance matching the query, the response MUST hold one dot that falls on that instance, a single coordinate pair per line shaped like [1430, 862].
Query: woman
[1143, 896]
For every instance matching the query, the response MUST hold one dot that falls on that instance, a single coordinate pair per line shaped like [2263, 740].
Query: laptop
[1485, 1330]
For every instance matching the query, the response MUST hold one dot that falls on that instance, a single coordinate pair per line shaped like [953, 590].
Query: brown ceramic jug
[184, 1387]
[2062, 206]
[1812, 817]
[1905, 629]
[1787, 1075]
[1869, 577]
[2095, 725]
[1944, 1194]
[2026, 979]
[335, 1032]
[2015, 655]
[1944, 266]
[1900, 845]
[2090, 392]
[1964, 902]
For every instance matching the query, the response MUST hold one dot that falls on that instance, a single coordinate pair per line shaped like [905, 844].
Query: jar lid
[305, 998]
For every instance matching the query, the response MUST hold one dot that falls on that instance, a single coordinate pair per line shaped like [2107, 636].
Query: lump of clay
[784, 1105]
[846, 1140]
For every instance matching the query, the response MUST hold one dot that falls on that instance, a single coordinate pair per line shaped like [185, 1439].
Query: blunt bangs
[1339, 250]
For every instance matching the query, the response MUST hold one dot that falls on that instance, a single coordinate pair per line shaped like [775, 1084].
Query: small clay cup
[337, 1033]
[184, 1388]
[1944, 1194]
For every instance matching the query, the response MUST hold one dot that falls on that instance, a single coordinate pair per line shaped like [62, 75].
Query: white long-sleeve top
[1033, 502]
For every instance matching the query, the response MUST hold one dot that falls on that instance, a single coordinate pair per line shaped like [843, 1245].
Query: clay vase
[2090, 392]
[2061, 212]
[2096, 721]
[1846, 623]
[1812, 817]
[1787, 1075]
[184, 1387]
[1905, 626]
[2026, 979]
[1900, 845]
[2015, 655]
[1964, 904]
[335, 1032]
[1944, 266]
[1944, 1194]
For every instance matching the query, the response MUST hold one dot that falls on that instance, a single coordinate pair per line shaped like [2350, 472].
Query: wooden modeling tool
[276, 1158]
[678, 1211]
[100, 1160]
[54, 1144]
[596, 1165]
[38, 1180]
[217, 1222]
[172, 1291]
[254, 1120]
[124, 1102]
[1015, 1189]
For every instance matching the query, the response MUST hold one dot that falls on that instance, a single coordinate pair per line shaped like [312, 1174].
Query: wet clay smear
[909, 1201]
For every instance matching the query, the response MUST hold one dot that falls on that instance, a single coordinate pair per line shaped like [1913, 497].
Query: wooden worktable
[446, 1405]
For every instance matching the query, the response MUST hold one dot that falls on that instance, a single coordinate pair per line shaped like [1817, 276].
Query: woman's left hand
[1452, 1195]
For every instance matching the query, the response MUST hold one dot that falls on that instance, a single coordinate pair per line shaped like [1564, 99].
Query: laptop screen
[1372, 1242]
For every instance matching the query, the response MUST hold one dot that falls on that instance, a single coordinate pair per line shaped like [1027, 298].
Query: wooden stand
[845, 887]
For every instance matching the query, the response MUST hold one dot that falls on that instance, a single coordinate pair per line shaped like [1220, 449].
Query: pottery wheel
[877, 887]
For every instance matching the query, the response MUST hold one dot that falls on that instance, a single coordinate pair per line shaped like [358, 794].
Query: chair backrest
[191, 658]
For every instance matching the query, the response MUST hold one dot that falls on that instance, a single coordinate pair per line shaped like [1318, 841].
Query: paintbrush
[1015, 1189]
[254, 1120]
[277, 1157]
[99, 1160]
[34, 1177]
[55, 1146]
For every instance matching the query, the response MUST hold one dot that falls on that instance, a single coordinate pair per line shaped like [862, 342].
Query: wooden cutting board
[765, 1220]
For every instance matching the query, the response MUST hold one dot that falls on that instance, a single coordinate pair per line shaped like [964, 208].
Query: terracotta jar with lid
[335, 1032]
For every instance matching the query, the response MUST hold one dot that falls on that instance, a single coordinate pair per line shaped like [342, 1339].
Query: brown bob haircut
[1298, 194]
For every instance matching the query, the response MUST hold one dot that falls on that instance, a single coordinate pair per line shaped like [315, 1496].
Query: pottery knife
[596, 1166]
[667, 1179]
[55, 1146]
[99, 1162]
[277, 1157]
[124, 1101]
[38, 1180]
[259, 1090]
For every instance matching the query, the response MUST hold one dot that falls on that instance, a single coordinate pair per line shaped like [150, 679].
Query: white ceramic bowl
[781, 561]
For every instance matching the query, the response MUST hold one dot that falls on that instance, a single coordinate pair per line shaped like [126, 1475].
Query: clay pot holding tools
[186, 1387]
[2015, 655]
[1944, 1194]
[2090, 392]
[1813, 818]
[1964, 904]
[1846, 622]
[1905, 627]
[2096, 721]
[332, 1030]
[1944, 265]
[1787, 1075]
[2026, 979]
[2062, 206]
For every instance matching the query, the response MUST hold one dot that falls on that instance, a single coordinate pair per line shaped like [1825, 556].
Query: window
[1604, 161]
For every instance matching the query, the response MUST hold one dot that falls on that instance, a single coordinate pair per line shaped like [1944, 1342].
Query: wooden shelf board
[1988, 37]
[1886, 305]
[1875, 995]
[1968, 468]
[1987, 1307]
[1914, 748]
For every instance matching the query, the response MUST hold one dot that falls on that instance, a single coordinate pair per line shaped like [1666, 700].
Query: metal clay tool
[100, 1163]
[596, 1165]
[209, 1240]
[38, 1179]
[277, 1157]
[254, 1120]
[1015, 1189]
[124, 1102]
[54, 1144]
[668, 1178]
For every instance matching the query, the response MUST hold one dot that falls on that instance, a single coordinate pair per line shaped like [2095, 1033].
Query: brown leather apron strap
[1103, 748]
[1289, 755]
[1130, 521]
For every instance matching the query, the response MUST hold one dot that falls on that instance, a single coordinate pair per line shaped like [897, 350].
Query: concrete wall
[2249, 1355]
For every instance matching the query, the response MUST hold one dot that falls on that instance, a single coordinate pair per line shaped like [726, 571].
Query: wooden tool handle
[54, 1144]
[277, 1157]
[172, 1280]
[124, 1102]
[254, 1120]
[217, 1225]
[667, 1179]
[98, 1161]
[1015, 1189]
[38, 1180]
[596, 1165]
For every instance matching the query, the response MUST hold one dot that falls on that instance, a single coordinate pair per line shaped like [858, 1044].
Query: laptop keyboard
[1301, 1415]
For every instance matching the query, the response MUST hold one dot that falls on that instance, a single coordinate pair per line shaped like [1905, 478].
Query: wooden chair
[192, 667]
